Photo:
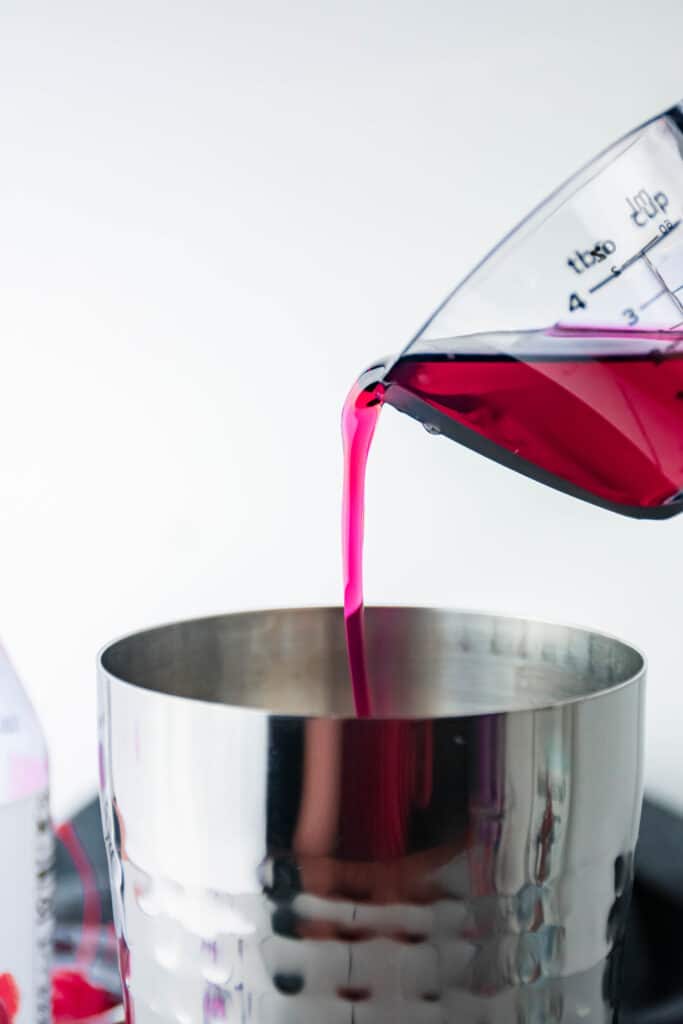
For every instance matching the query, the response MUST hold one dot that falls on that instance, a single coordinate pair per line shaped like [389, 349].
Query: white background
[212, 216]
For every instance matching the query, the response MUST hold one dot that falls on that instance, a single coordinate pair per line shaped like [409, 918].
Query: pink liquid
[605, 424]
[609, 425]
[359, 419]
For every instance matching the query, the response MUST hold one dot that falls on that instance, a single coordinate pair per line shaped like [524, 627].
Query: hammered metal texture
[273, 868]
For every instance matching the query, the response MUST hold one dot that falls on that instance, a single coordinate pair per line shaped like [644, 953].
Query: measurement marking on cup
[675, 299]
[654, 298]
[606, 280]
[618, 271]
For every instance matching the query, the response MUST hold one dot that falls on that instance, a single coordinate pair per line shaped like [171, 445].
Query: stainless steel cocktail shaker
[465, 856]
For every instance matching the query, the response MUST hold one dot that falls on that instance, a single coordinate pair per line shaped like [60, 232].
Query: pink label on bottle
[27, 775]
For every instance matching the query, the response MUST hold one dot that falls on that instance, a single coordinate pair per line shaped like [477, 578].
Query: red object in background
[75, 999]
[10, 999]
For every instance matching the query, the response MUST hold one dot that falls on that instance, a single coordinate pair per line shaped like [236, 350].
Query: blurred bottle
[26, 858]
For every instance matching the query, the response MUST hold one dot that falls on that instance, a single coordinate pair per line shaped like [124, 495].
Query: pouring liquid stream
[359, 420]
[598, 410]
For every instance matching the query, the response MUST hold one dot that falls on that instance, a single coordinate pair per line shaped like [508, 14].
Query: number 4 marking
[576, 302]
